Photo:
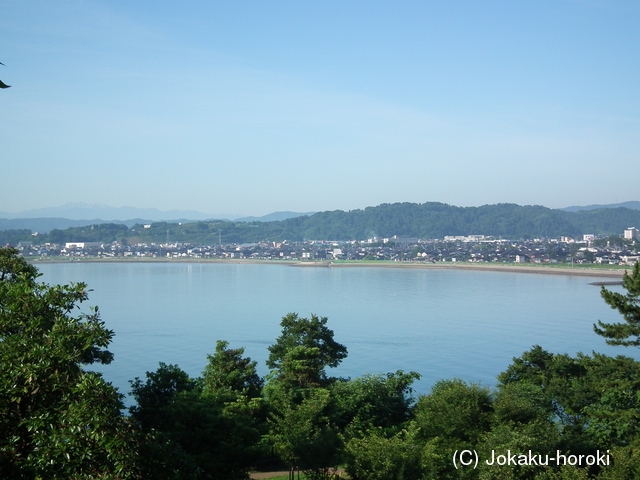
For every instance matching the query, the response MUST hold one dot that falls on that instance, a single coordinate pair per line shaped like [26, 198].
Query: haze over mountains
[629, 205]
[84, 211]
[80, 214]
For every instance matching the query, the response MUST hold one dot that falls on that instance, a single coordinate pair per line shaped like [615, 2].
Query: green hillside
[426, 220]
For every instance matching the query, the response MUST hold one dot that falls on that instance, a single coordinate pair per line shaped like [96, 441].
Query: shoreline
[487, 267]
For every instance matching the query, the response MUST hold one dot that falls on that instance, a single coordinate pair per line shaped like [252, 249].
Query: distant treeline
[426, 220]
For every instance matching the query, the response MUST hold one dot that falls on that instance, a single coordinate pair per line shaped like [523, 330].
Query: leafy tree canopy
[304, 349]
[57, 420]
[628, 305]
[229, 375]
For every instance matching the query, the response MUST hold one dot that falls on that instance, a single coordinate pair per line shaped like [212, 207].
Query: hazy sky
[251, 107]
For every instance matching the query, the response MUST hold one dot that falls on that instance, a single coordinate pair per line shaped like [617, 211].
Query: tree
[230, 376]
[614, 418]
[581, 404]
[159, 389]
[190, 434]
[232, 380]
[372, 413]
[12, 266]
[559, 386]
[377, 457]
[381, 401]
[454, 410]
[302, 432]
[301, 427]
[626, 334]
[304, 349]
[452, 417]
[57, 420]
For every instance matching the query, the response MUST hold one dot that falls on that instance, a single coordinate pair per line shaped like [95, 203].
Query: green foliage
[628, 305]
[614, 415]
[231, 378]
[57, 419]
[13, 267]
[604, 220]
[435, 220]
[563, 386]
[377, 457]
[541, 437]
[88, 438]
[624, 464]
[302, 432]
[159, 390]
[454, 410]
[452, 417]
[190, 434]
[304, 349]
[215, 445]
[302, 429]
[594, 401]
[373, 401]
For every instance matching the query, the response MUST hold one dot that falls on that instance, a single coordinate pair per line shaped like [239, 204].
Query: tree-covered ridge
[426, 220]
[59, 420]
[436, 220]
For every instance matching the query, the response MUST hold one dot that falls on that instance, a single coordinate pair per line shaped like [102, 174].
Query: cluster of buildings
[472, 248]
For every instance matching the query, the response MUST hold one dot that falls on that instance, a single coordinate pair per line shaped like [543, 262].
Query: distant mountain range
[84, 211]
[274, 217]
[80, 214]
[629, 205]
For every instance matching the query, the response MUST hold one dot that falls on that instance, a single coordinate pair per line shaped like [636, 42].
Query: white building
[632, 233]
[81, 245]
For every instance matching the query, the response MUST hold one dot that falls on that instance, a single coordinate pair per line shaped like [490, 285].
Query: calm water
[440, 323]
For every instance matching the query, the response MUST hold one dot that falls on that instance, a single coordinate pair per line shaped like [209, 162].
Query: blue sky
[250, 107]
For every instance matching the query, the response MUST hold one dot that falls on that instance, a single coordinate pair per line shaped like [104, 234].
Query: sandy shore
[582, 271]
[590, 271]
[509, 267]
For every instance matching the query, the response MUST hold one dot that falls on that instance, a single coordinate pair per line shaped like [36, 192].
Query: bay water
[441, 323]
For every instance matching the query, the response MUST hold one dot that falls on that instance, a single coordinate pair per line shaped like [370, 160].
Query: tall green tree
[191, 434]
[230, 376]
[301, 423]
[57, 420]
[304, 350]
[372, 413]
[157, 391]
[302, 431]
[628, 305]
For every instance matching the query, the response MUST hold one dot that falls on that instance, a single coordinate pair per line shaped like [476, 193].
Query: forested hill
[426, 220]
[435, 220]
